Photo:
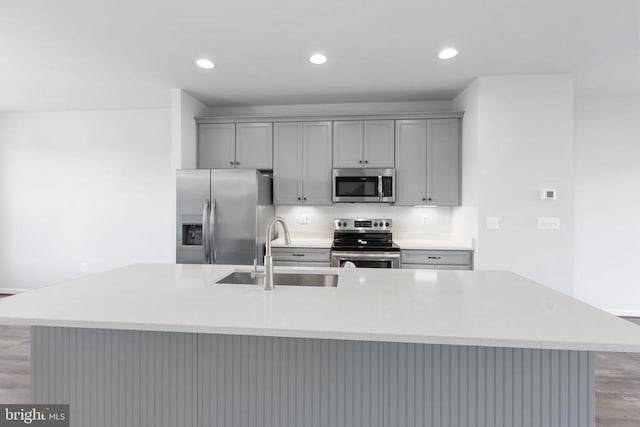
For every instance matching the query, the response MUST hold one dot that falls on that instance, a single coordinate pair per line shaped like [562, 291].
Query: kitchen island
[163, 345]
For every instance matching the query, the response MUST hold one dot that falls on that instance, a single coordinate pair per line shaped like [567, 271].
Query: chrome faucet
[267, 274]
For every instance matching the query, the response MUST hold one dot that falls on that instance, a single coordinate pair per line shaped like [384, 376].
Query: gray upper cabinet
[366, 144]
[428, 162]
[411, 165]
[443, 162]
[216, 145]
[347, 144]
[379, 137]
[316, 163]
[231, 145]
[302, 163]
[254, 145]
[287, 164]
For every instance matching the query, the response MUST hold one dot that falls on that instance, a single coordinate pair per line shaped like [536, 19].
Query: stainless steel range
[365, 243]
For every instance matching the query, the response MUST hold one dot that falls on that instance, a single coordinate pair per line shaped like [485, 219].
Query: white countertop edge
[330, 335]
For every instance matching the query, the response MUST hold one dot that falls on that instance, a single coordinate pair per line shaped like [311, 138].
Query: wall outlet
[548, 223]
[304, 220]
[84, 267]
[425, 220]
[493, 223]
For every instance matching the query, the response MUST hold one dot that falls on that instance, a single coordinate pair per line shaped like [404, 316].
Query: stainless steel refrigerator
[222, 215]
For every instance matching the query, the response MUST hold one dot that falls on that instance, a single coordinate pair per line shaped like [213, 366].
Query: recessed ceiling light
[447, 53]
[205, 63]
[317, 59]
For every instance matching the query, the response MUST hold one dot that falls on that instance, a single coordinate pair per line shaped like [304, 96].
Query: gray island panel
[142, 378]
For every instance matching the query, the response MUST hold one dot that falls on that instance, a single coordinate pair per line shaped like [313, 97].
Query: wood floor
[617, 379]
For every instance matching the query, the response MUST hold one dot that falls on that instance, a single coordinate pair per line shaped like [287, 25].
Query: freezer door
[235, 195]
[193, 206]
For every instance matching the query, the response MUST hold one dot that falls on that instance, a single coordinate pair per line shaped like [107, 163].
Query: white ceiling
[94, 54]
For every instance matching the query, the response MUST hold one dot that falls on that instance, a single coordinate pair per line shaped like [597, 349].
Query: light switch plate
[304, 220]
[548, 223]
[493, 223]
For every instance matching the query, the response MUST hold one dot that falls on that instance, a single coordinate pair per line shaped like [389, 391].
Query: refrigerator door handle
[212, 227]
[205, 230]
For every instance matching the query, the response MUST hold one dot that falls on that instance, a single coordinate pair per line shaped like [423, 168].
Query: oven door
[366, 259]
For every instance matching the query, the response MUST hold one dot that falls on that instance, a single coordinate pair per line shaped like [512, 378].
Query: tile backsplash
[407, 220]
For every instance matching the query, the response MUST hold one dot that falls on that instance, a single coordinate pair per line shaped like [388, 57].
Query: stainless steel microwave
[364, 185]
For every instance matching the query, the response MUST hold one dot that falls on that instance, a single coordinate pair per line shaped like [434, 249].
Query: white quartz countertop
[479, 308]
[321, 242]
[434, 244]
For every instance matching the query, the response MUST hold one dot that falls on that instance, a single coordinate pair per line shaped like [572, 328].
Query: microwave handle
[380, 188]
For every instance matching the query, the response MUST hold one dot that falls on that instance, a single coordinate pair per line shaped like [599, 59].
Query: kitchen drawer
[415, 256]
[436, 267]
[301, 254]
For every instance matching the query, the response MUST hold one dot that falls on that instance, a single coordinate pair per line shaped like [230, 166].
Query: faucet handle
[255, 268]
[255, 272]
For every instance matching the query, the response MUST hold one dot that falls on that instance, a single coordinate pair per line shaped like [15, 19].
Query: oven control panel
[360, 224]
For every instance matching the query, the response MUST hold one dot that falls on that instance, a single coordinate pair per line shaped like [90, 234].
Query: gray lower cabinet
[302, 163]
[368, 144]
[436, 259]
[308, 257]
[428, 162]
[235, 145]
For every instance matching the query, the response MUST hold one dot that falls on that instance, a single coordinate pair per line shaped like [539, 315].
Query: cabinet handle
[231, 163]
[366, 161]
[434, 257]
[297, 254]
[360, 161]
[429, 199]
[237, 163]
[424, 199]
[304, 198]
[299, 198]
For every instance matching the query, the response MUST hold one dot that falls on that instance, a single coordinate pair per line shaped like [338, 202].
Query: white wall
[83, 187]
[607, 203]
[184, 131]
[465, 218]
[523, 130]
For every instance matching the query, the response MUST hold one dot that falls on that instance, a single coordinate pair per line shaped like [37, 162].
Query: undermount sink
[283, 279]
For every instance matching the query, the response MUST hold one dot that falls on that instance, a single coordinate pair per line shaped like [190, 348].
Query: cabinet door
[316, 163]
[287, 164]
[411, 158]
[347, 144]
[379, 141]
[254, 145]
[443, 162]
[216, 145]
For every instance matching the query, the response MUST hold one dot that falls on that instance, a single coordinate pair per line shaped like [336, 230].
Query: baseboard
[624, 313]
[13, 291]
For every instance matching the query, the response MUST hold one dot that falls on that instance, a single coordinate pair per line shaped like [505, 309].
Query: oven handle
[394, 257]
